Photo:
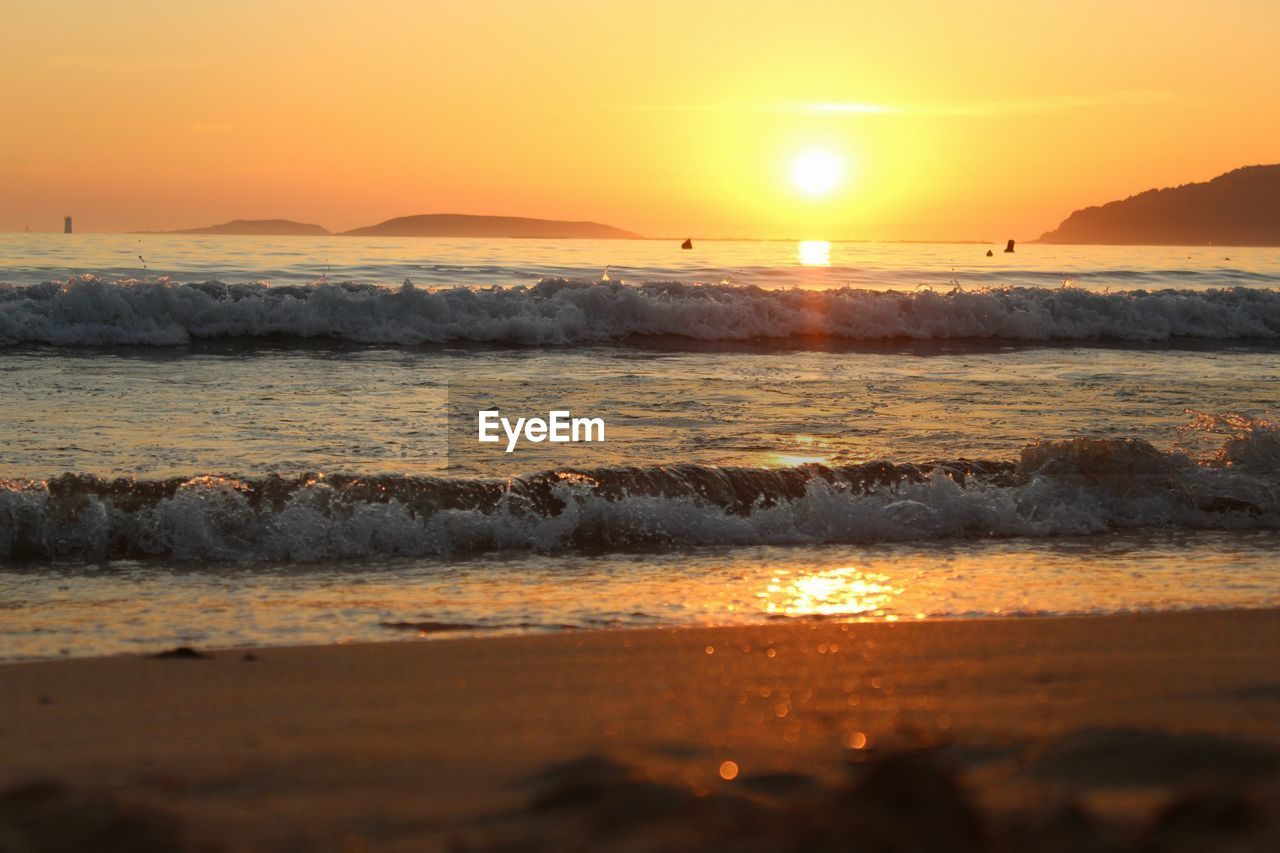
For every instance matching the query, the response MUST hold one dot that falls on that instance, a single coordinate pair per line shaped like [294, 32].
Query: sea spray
[1077, 487]
[92, 311]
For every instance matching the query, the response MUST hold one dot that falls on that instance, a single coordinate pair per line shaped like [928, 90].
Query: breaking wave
[91, 311]
[1075, 487]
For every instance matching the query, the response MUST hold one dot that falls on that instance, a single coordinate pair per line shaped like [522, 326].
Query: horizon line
[636, 238]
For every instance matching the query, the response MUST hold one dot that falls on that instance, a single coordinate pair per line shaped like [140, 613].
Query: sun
[817, 172]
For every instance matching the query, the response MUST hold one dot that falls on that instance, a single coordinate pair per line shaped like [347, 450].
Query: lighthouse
[66, 225]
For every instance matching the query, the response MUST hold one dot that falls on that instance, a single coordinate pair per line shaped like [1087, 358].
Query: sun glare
[817, 172]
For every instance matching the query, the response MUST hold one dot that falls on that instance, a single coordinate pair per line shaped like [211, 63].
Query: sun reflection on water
[808, 450]
[791, 460]
[814, 253]
[845, 591]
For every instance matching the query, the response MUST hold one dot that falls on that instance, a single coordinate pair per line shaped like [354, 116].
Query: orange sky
[954, 120]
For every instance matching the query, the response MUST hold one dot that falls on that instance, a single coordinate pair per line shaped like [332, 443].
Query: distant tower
[66, 225]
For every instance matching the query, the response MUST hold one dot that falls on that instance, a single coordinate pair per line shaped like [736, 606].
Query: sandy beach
[1088, 733]
[536, 427]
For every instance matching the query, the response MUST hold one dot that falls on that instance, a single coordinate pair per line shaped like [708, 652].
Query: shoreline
[429, 745]
[408, 633]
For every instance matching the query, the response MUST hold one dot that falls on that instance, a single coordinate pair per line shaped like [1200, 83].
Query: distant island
[423, 225]
[259, 227]
[1240, 208]
[463, 225]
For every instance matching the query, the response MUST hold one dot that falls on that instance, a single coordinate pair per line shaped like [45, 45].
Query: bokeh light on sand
[855, 740]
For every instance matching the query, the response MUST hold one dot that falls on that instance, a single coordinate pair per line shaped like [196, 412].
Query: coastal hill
[463, 225]
[260, 227]
[1240, 208]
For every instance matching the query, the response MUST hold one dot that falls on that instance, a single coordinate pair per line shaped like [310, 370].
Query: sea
[252, 441]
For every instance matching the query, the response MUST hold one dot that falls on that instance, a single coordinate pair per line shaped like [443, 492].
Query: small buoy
[1009, 248]
[990, 254]
[687, 244]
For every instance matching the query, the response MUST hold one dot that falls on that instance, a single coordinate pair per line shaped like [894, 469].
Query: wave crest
[1075, 487]
[91, 311]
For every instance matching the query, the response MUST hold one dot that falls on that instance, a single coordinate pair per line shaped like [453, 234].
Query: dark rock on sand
[429, 627]
[1138, 759]
[777, 784]
[1212, 821]
[182, 653]
[897, 802]
[1069, 829]
[46, 817]
[615, 795]
[908, 801]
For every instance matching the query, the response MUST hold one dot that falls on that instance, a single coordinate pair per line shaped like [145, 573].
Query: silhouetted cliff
[261, 227]
[1240, 208]
[462, 225]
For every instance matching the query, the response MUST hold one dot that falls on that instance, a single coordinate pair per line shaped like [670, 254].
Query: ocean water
[226, 441]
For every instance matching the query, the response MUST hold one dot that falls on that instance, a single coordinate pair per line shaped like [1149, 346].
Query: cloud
[986, 109]
[963, 109]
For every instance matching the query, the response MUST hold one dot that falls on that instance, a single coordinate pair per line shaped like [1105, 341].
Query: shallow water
[33, 258]
[294, 475]
[158, 413]
[133, 606]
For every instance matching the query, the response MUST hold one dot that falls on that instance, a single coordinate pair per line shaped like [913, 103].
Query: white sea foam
[1076, 487]
[90, 311]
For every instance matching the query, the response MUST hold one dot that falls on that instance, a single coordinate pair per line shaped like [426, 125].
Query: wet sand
[1119, 732]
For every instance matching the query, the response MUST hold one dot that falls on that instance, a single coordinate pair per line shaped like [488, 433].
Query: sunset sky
[977, 120]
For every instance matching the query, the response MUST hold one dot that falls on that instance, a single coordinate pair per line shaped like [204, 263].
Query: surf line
[559, 426]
